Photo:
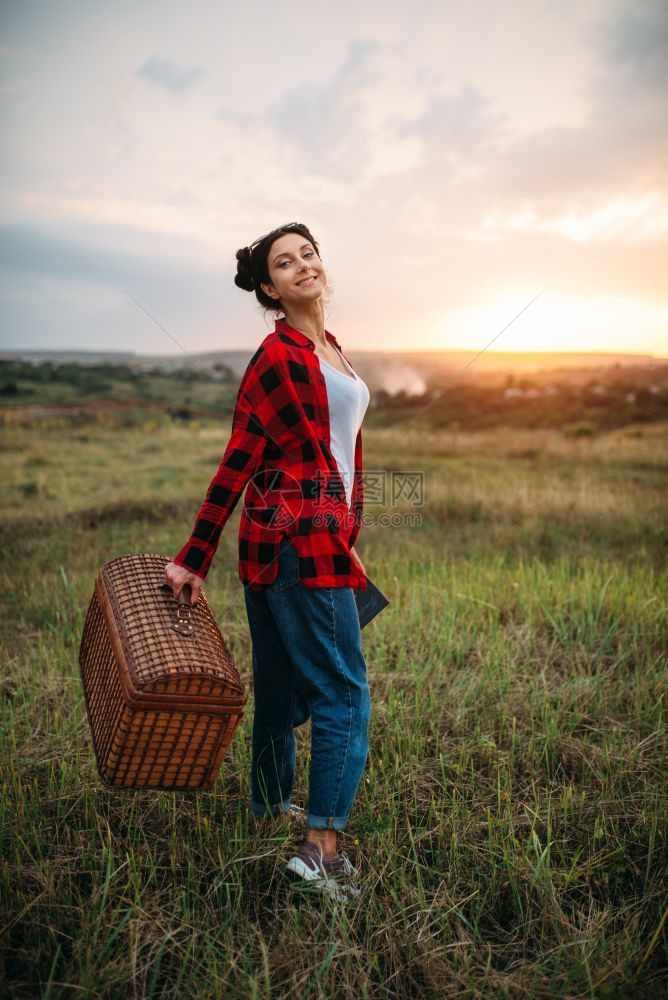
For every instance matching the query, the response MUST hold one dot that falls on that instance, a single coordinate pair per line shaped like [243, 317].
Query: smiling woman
[297, 441]
[254, 264]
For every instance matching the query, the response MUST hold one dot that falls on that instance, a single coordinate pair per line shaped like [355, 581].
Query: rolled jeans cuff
[326, 822]
[262, 810]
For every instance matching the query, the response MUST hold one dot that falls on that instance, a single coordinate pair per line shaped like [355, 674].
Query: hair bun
[244, 276]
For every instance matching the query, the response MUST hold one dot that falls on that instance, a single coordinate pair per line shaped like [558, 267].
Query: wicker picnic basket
[163, 696]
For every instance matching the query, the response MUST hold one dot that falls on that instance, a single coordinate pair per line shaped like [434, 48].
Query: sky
[453, 160]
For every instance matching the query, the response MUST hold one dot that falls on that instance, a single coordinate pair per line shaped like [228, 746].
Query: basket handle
[182, 623]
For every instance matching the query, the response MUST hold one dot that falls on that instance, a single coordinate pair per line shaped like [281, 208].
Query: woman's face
[296, 273]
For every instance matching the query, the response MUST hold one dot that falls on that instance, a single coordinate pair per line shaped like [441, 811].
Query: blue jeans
[307, 663]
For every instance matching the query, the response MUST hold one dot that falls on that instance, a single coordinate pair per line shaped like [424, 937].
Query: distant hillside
[442, 394]
[411, 372]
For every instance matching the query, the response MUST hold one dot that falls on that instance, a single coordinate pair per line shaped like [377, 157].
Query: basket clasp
[183, 624]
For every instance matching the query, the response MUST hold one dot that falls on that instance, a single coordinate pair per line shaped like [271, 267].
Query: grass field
[511, 823]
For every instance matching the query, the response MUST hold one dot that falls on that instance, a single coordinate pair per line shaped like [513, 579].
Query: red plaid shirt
[280, 448]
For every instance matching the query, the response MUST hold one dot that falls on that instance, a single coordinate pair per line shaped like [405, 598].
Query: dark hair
[252, 263]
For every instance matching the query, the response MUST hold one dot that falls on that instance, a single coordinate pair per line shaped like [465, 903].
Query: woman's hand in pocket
[177, 577]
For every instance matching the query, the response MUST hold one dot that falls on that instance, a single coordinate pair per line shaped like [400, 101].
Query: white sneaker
[335, 876]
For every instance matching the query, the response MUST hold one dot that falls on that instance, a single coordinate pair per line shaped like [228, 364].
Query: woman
[297, 444]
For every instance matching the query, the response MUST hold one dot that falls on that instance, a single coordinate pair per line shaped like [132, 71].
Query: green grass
[511, 821]
[64, 384]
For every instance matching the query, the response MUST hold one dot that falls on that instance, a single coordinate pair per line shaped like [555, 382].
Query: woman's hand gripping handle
[176, 578]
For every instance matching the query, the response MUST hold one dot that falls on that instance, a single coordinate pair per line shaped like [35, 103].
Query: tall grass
[511, 821]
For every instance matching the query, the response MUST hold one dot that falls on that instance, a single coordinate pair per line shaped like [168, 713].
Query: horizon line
[424, 350]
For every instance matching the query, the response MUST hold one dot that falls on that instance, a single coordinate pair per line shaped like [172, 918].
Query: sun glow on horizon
[605, 323]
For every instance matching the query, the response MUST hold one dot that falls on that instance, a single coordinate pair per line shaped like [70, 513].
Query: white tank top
[348, 399]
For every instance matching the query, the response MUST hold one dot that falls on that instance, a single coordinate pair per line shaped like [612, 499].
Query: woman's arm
[259, 418]
[241, 458]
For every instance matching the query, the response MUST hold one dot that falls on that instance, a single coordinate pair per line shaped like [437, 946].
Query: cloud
[594, 179]
[463, 125]
[68, 288]
[167, 74]
[603, 179]
[29, 250]
[12, 84]
[325, 123]
[636, 40]
[629, 109]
